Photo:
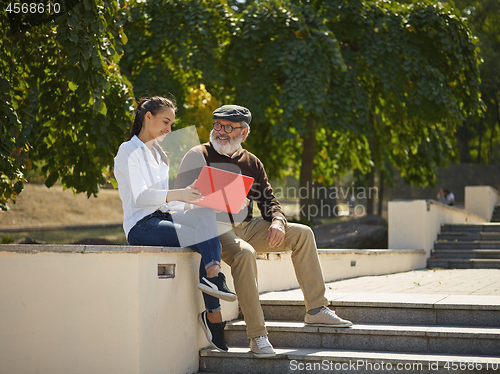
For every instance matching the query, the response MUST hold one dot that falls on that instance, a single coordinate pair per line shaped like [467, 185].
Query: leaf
[52, 178]
[103, 108]
[113, 182]
[18, 187]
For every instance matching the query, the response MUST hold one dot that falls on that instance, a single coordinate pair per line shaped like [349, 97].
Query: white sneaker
[326, 317]
[261, 347]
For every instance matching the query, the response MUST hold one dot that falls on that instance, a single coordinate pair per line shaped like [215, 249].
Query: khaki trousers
[239, 247]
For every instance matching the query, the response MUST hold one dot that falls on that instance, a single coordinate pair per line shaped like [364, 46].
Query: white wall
[99, 309]
[481, 200]
[277, 273]
[99, 312]
[61, 312]
[414, 224]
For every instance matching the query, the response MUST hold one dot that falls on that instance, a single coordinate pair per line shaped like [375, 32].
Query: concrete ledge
[276, 269]
[68, 248]
[138, 249]
[471, 215]
[370, 252]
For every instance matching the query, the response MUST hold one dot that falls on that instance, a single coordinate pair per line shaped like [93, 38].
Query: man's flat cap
[233, 113]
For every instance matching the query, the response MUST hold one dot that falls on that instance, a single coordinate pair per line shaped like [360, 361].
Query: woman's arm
[188, 194]
[131, 174]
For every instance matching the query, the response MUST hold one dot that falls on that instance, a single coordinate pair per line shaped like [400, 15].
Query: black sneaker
[216, 286]
[214, 332]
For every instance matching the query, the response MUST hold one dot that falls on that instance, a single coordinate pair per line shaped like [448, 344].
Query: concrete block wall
[414, 224]
[481, 200]
[104, 309]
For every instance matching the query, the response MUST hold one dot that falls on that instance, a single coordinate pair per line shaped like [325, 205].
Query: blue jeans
[194, 228]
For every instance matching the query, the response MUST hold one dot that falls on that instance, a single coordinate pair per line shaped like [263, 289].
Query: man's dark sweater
[244, 163]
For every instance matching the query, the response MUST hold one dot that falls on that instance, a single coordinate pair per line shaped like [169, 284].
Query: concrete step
[387, 338]
[409, 309]
[475, 244]
[460, 263]
[471, 227]
[300, 360]
[468, 236]
[465, 254]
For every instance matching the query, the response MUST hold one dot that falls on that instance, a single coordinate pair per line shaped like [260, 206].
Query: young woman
[154, 214]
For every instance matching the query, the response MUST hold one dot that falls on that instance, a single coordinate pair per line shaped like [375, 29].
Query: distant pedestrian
[440, 196]
[449, 198]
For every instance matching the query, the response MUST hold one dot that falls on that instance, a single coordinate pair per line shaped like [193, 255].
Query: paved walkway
[422, 287]
[434, 282]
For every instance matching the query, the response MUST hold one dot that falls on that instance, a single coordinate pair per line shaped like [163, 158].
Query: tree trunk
[322, 199]
[370, 200]
[381, 193]
[492, 135]
[493, 130]
[463, 142]
[307, 209]
[480, 141]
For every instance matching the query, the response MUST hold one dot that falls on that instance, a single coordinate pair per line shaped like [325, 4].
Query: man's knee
[300, 237]
[241, 256]
[300, 229]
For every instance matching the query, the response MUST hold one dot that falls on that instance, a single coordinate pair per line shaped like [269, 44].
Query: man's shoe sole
[264, 355]
[207, 331]
[217, 293]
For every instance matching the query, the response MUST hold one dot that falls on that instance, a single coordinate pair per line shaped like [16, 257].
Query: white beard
[228, 148]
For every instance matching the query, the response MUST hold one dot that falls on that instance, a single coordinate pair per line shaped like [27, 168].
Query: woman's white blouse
[142, 182]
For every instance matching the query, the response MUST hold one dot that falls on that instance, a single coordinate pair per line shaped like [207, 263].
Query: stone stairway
[419, 334]
[463, 246]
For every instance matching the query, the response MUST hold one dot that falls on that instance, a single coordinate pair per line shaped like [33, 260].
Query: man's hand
[245, 204]
[276, 234]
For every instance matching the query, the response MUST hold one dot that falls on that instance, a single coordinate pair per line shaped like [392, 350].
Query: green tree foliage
[405, 77]
[280, 60]
[333, 85]
[417, 70]
[65, 103]
[172, 45]
[479, 136]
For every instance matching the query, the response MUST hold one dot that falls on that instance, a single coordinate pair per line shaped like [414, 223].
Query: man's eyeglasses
[227, 128]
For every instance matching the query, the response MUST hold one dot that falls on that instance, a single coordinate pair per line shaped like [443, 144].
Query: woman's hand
[191, 194]
[188, 194]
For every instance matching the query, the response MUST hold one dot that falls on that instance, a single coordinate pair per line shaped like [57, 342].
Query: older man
[270, 233]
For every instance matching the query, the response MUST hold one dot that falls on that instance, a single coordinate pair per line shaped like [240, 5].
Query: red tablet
[222, 190]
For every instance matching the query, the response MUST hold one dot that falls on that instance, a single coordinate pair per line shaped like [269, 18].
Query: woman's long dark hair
[154, 105]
